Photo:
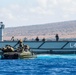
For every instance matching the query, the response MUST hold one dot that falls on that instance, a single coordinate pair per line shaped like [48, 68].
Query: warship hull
[47, 47]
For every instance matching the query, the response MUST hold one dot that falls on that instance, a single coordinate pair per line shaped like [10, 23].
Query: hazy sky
[31, 12]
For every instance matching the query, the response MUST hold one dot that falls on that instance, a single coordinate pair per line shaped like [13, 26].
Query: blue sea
[42, 65]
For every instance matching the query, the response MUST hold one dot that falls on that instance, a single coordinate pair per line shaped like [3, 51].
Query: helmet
[27, 47]
[20, 40]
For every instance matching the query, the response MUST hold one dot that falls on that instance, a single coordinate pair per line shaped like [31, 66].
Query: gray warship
[36, 46]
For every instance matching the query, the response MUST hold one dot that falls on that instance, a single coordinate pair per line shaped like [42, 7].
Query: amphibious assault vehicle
[21, 52]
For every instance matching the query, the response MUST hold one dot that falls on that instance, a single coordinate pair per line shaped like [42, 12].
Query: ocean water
[42, 65]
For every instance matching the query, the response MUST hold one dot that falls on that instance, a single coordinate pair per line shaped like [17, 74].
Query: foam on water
[48, 56]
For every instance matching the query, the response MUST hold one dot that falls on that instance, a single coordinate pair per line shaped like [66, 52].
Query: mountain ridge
[66, 29]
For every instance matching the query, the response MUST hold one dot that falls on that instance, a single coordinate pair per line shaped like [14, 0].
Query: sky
[15, 13]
